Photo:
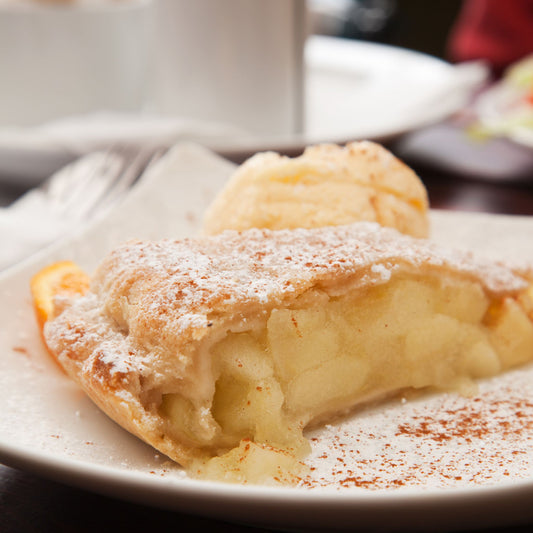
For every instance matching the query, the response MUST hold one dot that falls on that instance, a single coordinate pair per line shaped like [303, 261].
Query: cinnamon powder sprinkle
[437, 441]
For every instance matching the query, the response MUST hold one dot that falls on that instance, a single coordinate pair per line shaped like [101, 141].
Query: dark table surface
[495, 176]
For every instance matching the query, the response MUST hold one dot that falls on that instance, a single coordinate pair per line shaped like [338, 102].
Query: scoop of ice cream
[327, 185]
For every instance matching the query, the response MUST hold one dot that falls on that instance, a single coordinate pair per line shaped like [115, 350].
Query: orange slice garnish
[63, 278]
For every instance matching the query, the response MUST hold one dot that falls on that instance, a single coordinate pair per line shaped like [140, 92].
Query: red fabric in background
[500, 31]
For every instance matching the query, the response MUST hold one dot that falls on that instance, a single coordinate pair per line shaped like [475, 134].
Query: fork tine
[102, 178]
[85, 184]
[85, 188]
[133, 170]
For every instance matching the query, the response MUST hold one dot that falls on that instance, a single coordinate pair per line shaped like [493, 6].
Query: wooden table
[29, 504]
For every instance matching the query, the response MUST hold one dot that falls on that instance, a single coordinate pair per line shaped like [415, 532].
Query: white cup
[232, 61]
[72, 58]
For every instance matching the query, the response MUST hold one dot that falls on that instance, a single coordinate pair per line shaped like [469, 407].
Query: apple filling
[325, 354]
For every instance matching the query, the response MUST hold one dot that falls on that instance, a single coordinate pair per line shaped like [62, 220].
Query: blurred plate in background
[506, 108]
[354, 90]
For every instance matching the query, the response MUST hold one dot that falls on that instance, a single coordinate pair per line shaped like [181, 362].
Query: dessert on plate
[219, 351]
[326, 185]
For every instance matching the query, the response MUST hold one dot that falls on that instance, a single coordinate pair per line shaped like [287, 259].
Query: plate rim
[241, 147]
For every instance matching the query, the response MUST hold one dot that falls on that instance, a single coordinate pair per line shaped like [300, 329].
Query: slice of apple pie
[219, 351]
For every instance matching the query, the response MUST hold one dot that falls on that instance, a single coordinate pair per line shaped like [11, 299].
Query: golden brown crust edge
[115, 391]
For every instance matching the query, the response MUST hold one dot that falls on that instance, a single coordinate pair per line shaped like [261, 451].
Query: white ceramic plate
[437, 462]
[354, 90]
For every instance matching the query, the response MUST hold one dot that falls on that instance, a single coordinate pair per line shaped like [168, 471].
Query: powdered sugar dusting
[108, 356]
[259, 266]
[382, 271]
[439, 441]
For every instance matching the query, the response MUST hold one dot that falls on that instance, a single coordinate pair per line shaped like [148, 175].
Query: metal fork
[96, 181]
[81, 191]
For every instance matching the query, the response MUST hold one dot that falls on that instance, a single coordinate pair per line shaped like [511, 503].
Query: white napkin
[26, 227]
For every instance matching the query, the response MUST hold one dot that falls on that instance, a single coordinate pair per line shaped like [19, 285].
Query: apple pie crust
[219, 351]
